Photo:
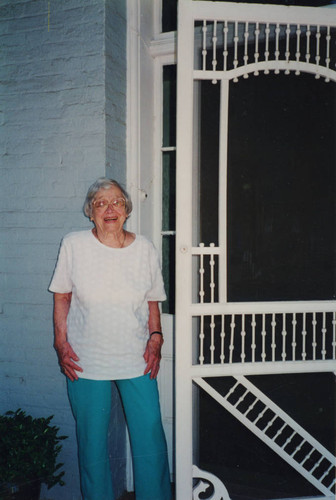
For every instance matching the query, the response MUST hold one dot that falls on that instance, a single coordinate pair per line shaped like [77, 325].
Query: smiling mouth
[108, 219]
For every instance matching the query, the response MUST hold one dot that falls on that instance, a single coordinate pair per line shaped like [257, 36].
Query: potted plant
[28, 454]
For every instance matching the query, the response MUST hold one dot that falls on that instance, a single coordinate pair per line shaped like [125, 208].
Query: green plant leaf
[29, 448]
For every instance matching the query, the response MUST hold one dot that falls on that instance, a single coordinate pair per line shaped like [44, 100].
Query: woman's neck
[113, 240]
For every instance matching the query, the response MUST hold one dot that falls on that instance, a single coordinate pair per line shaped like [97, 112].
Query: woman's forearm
[152, 353]
[65, 353]
[61, 310]
[154, 320]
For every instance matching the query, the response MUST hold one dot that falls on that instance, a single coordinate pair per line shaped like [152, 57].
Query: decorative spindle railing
[260, 337]
[278, 430]
[228, 334]
[246, 45]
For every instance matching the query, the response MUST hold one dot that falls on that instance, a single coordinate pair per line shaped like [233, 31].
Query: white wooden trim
[261, 12]
[265, 66]
[266, 368]
[133, 111]
[262, 307]
[162, 48]
[157, 156]
[164, 45]
[132, 150]
[184, 457]
[157, 16]
[222, 207]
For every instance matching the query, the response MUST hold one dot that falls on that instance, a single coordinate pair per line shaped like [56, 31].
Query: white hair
[104, 183]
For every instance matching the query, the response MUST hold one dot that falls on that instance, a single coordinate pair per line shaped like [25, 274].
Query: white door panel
[221, 42]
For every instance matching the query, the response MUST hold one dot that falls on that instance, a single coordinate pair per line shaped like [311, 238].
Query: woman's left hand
[152, 355]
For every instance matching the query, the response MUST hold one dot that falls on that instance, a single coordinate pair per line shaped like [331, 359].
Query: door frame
[148, 50]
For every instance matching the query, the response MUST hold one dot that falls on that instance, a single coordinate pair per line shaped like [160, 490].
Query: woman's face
[109, 217]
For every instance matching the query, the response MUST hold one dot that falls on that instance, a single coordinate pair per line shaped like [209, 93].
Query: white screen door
[218, 333]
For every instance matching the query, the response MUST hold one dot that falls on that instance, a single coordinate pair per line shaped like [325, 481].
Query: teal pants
[91, 405]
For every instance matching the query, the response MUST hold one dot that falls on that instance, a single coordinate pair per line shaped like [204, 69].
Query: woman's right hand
[66, 357]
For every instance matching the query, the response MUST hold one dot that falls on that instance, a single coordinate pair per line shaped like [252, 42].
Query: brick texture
[62, 125]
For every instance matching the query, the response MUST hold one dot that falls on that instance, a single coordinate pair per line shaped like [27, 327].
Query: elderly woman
[107, 285]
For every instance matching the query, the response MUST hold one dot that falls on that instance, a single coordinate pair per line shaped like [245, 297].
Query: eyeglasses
[117, 203]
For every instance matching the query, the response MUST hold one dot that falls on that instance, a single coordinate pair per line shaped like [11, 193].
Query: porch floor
[236, 495]
[241, 492]
[130, 495]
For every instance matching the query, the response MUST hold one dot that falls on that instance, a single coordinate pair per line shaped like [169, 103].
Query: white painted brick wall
[62, 125]
[115, 79]
[115, 142]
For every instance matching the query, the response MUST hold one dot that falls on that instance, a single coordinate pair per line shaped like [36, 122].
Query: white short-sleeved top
[107, 324]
